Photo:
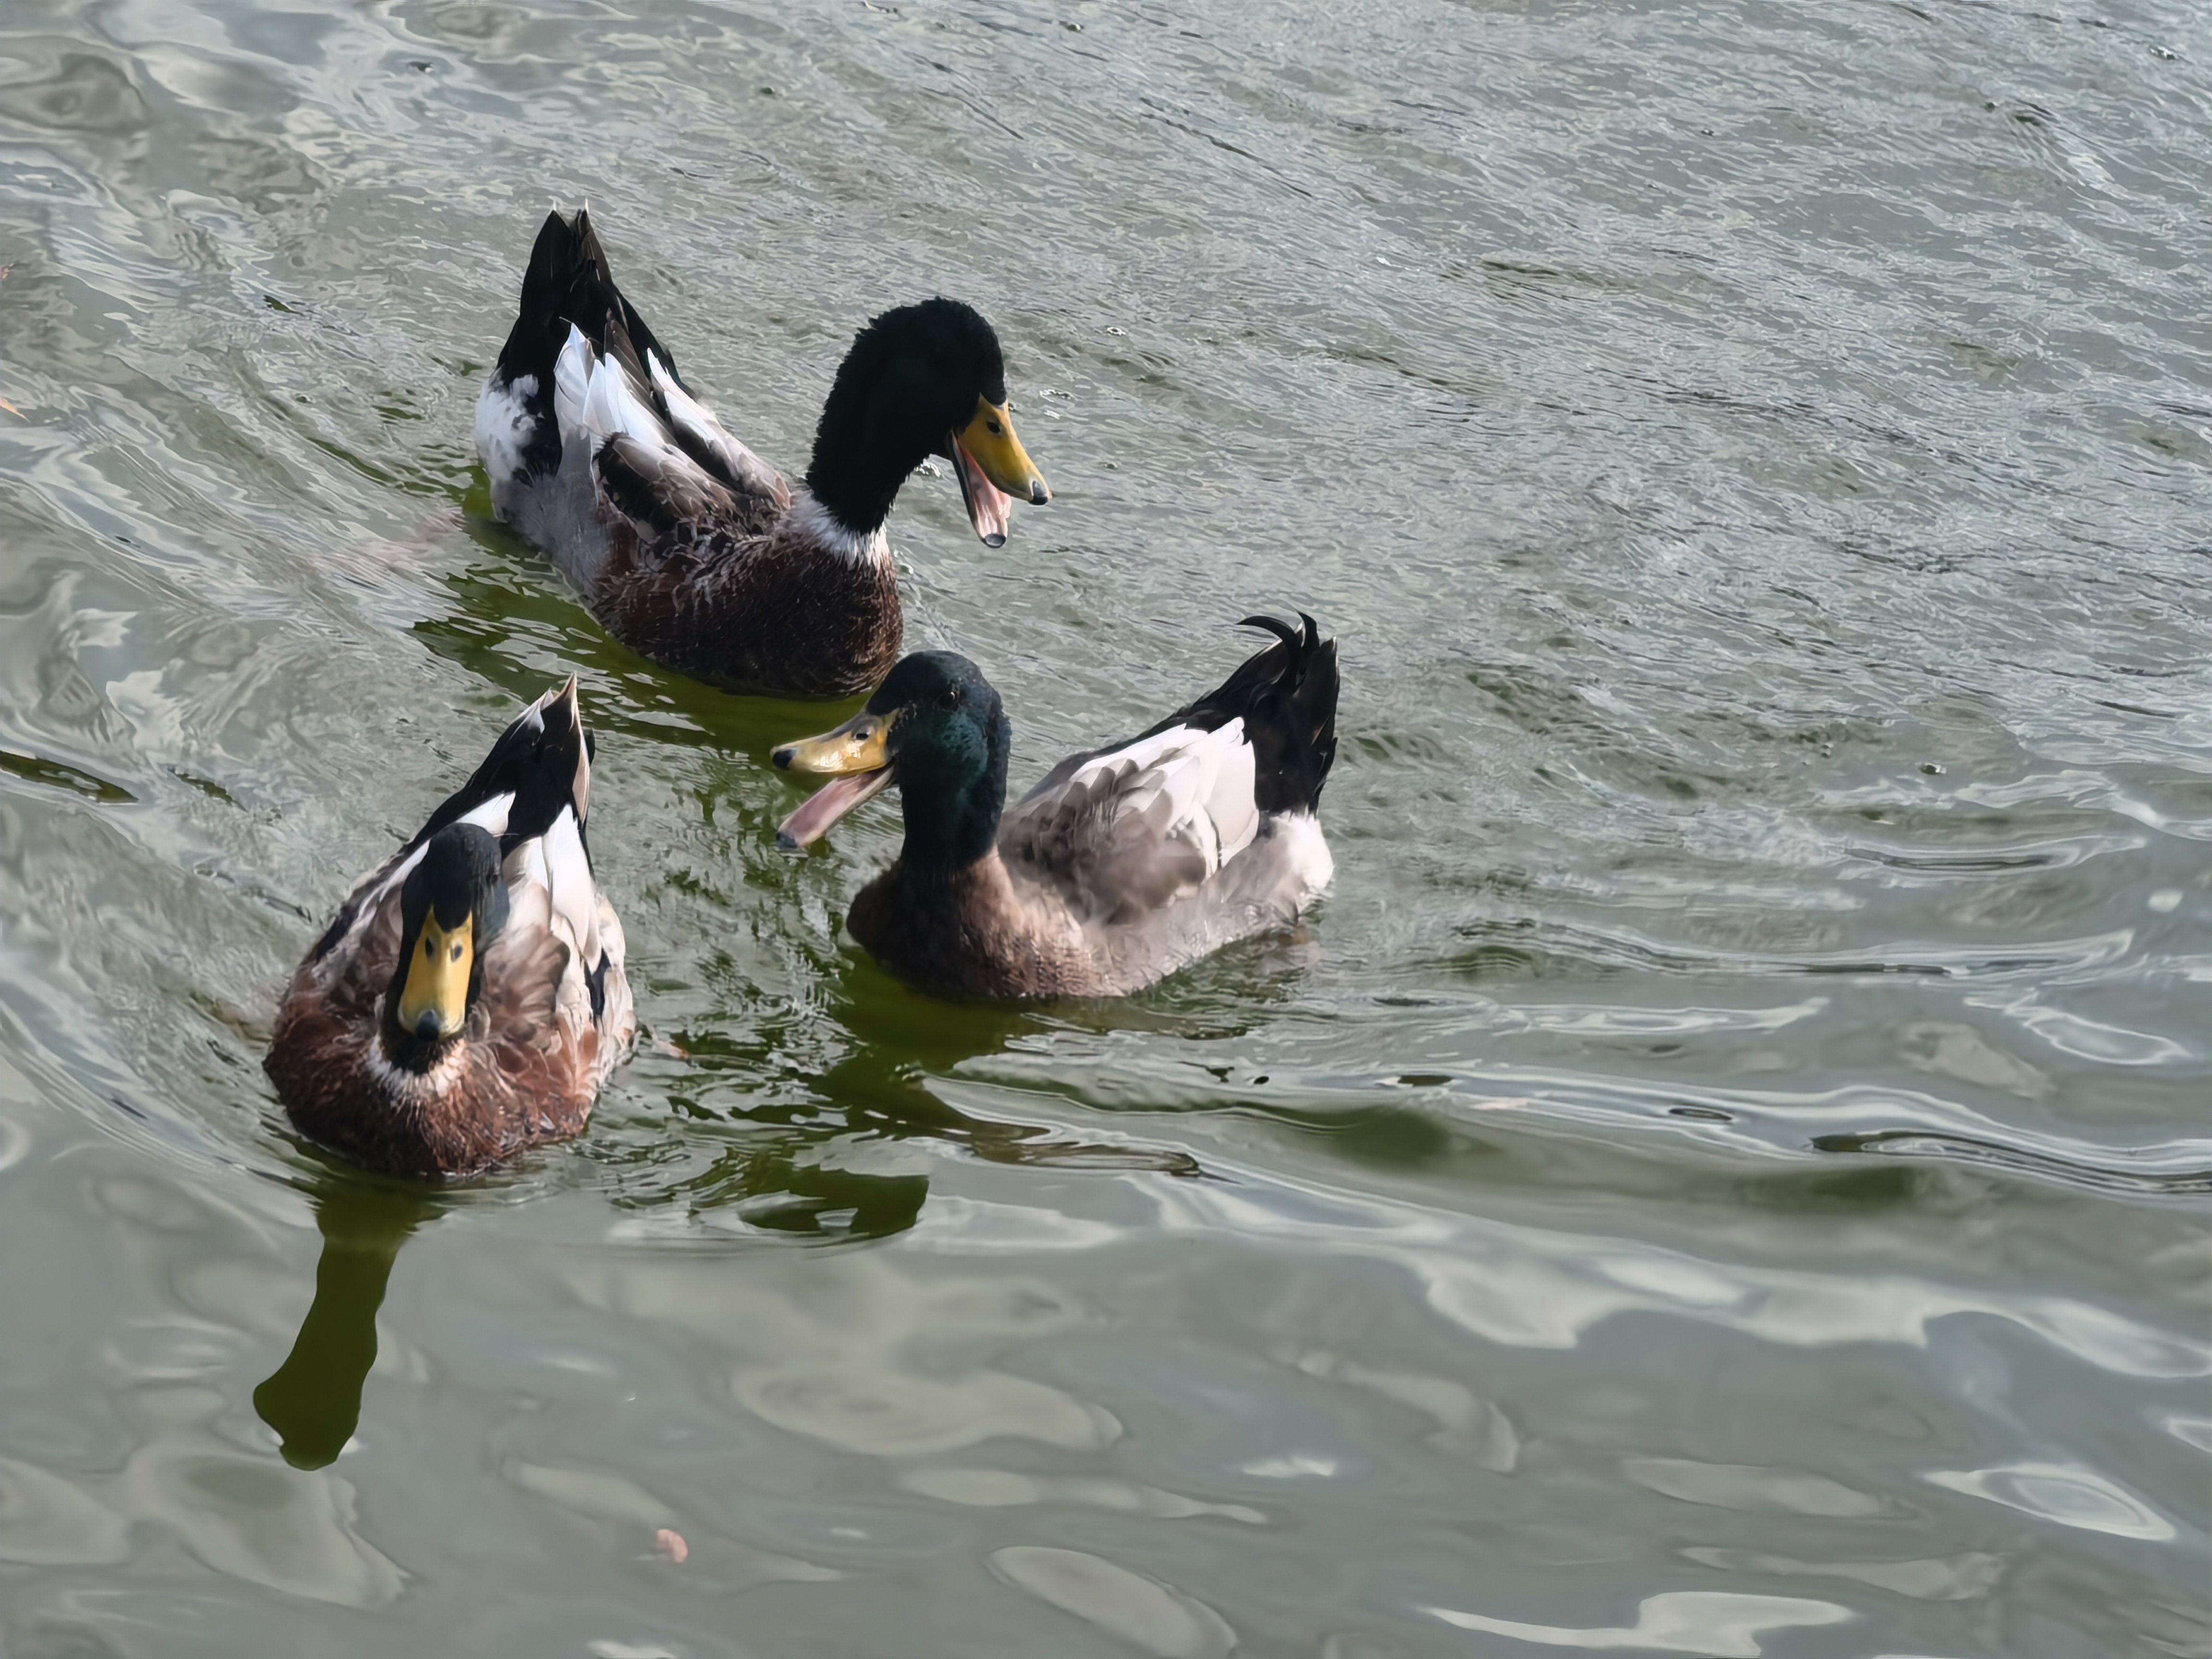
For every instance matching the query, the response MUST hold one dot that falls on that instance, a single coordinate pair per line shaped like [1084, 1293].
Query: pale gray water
[1722, 1173]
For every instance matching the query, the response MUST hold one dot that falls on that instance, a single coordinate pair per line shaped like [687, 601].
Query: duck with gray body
[690, 548]
[1125, 864]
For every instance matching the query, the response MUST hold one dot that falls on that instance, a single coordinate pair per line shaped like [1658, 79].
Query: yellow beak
[435, 999]
[857, 755]
[989, 440]
[862, 744]
[994, 468]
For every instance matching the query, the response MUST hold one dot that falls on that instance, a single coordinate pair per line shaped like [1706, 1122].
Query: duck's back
[676, 461]
[1198, 832]
[766, 612]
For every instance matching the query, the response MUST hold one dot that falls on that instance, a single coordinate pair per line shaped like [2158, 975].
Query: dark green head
[923, 379]
[935, 727]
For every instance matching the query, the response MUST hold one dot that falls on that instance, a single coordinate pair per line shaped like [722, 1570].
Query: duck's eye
[949, 698]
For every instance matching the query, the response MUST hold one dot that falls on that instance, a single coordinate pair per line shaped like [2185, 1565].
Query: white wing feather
[1209, 779]
[505, 426]
[529, 898]
[575, 899]
[549, 890]
[613, 407]
[571, 381]
[489, 816]
[596, 399]
[697, 423]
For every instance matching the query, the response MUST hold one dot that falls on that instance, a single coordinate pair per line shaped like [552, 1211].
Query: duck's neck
[951, 824]
[812, 521]
[406, 1052]
[860, 460]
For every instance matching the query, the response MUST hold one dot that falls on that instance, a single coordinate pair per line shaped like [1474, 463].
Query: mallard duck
[1124, 864]
[469, 999]
[689, 547]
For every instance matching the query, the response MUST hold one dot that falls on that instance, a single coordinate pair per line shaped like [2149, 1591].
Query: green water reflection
[312, 1401]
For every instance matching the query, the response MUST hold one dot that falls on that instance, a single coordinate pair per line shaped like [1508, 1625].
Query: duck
[469, 999]
[1123, 865]
[687, 546]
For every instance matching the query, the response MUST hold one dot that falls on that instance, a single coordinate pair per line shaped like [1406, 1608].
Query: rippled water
[1722, 1174]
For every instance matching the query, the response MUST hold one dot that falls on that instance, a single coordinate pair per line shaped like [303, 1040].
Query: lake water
[1722, 1173]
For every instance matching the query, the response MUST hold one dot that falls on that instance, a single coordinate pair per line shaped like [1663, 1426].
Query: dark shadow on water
[312, 1401]
[515, 622]
[879, 1092]
[903, 1037]
[2173, 1171]
[905, 1041]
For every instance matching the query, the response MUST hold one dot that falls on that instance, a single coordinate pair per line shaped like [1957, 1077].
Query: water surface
[1721, 1173]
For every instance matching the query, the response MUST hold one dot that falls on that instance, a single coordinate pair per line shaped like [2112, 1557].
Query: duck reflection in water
[314, 1400]
[904, 1038]
[878, 1092]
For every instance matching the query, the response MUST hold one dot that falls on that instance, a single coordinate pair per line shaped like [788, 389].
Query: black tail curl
[1287, 697]
[568, 282]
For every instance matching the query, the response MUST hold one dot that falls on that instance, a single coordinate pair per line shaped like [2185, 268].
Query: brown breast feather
[974, 934]
[522, 1077]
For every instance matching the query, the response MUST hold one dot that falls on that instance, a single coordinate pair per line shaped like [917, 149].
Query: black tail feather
[538, 764]
[1287, 697]
[568, 282]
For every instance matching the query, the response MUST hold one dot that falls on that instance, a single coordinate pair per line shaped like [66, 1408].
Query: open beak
[994, 468]
[435, 1000]
[856, 756]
